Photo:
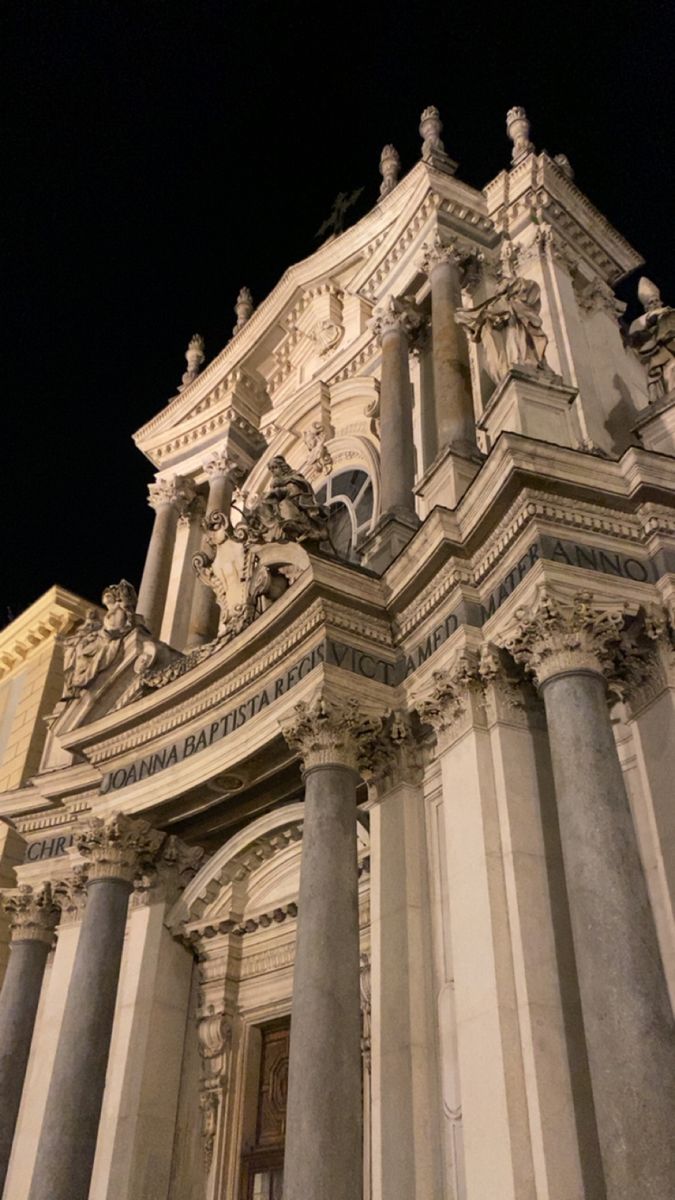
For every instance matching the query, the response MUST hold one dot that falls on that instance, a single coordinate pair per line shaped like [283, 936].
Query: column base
[655, 426]
[448, 477]
[533, 402]
[392, 532]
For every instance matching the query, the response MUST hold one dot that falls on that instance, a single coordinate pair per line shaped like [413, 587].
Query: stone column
[34, 916]
[324, 1113]
[453, 403]
[65, 1156]
[204, 615]
[571, 648]
[168, 497]
[394, 328]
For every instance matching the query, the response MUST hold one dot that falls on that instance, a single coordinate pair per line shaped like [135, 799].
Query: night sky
[159, 155]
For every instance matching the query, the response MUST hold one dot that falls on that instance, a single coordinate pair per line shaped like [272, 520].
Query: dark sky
[158, 155]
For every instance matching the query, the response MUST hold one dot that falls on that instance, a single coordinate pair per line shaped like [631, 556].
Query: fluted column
[169, 498]
[394, 327]
[222, 474]
[33, 918]
[115, 849]
[453, 403]
[570, 648]
[324, 1113]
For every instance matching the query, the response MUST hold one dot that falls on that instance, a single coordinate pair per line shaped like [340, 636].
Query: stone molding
[33, 913]
[557, 636]
[365, 990]
[336, 733]
[117, 847]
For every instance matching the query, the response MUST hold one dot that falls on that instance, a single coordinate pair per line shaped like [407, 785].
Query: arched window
[349, 496]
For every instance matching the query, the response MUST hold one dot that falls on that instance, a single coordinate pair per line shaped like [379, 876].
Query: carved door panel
[262, 1167]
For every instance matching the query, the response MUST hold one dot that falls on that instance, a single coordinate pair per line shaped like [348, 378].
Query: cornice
[54, 613]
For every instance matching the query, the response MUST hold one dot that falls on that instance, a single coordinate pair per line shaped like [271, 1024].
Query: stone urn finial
[243, 308]
[518, 129]
[433, 150]
[195, 358]
[390, 166]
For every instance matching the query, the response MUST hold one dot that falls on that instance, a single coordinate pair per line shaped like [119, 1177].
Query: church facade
[346, 869]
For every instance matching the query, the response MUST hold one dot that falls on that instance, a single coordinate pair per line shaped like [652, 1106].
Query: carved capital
[397, 315]
[437, 253]
[71, 895]
[336, 733]
[455, 699]
[117, 847]
[166, 876]
[557, 636]
[179, 492]
[220, 463]
[33, 913]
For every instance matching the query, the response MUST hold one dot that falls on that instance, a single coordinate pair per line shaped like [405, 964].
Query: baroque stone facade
[383, 744]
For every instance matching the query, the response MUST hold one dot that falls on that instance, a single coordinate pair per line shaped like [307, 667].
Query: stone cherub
[96, 644]
[653, 337]
[508, 325]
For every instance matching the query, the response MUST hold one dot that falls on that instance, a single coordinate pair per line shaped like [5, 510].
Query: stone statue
[653, 337]
[96, 644]
[243, 309]
[319, 456]
[195, 358]
[430, 131]
[390, 167]
[287, 512]
[508, 325]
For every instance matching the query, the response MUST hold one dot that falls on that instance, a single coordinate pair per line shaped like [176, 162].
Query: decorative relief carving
[330, 733]
[117, 847]
[594, 295]
[215, 1048]
[33, 913]
[71, 895]
[557, 636]
[366, 1008]
[178, 491]
[319, 461]
[168, 873]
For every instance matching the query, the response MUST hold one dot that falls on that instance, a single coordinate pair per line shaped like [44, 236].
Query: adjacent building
[349, 855]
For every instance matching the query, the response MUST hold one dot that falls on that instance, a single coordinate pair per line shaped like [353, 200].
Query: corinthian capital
[558, 636]
[220, 463]
[398, 315]
[179, 492]
[336, 733]
[117, 847]
[33, 913]
[436, 253]
[455, 695]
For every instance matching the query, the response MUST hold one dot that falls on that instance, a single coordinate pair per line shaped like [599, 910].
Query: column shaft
[626, 1012]
[324, 1121]
[453, 404]
[397, 447]
[204, 614]
[157, 570]
[18, 1006]
[67, 1145]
